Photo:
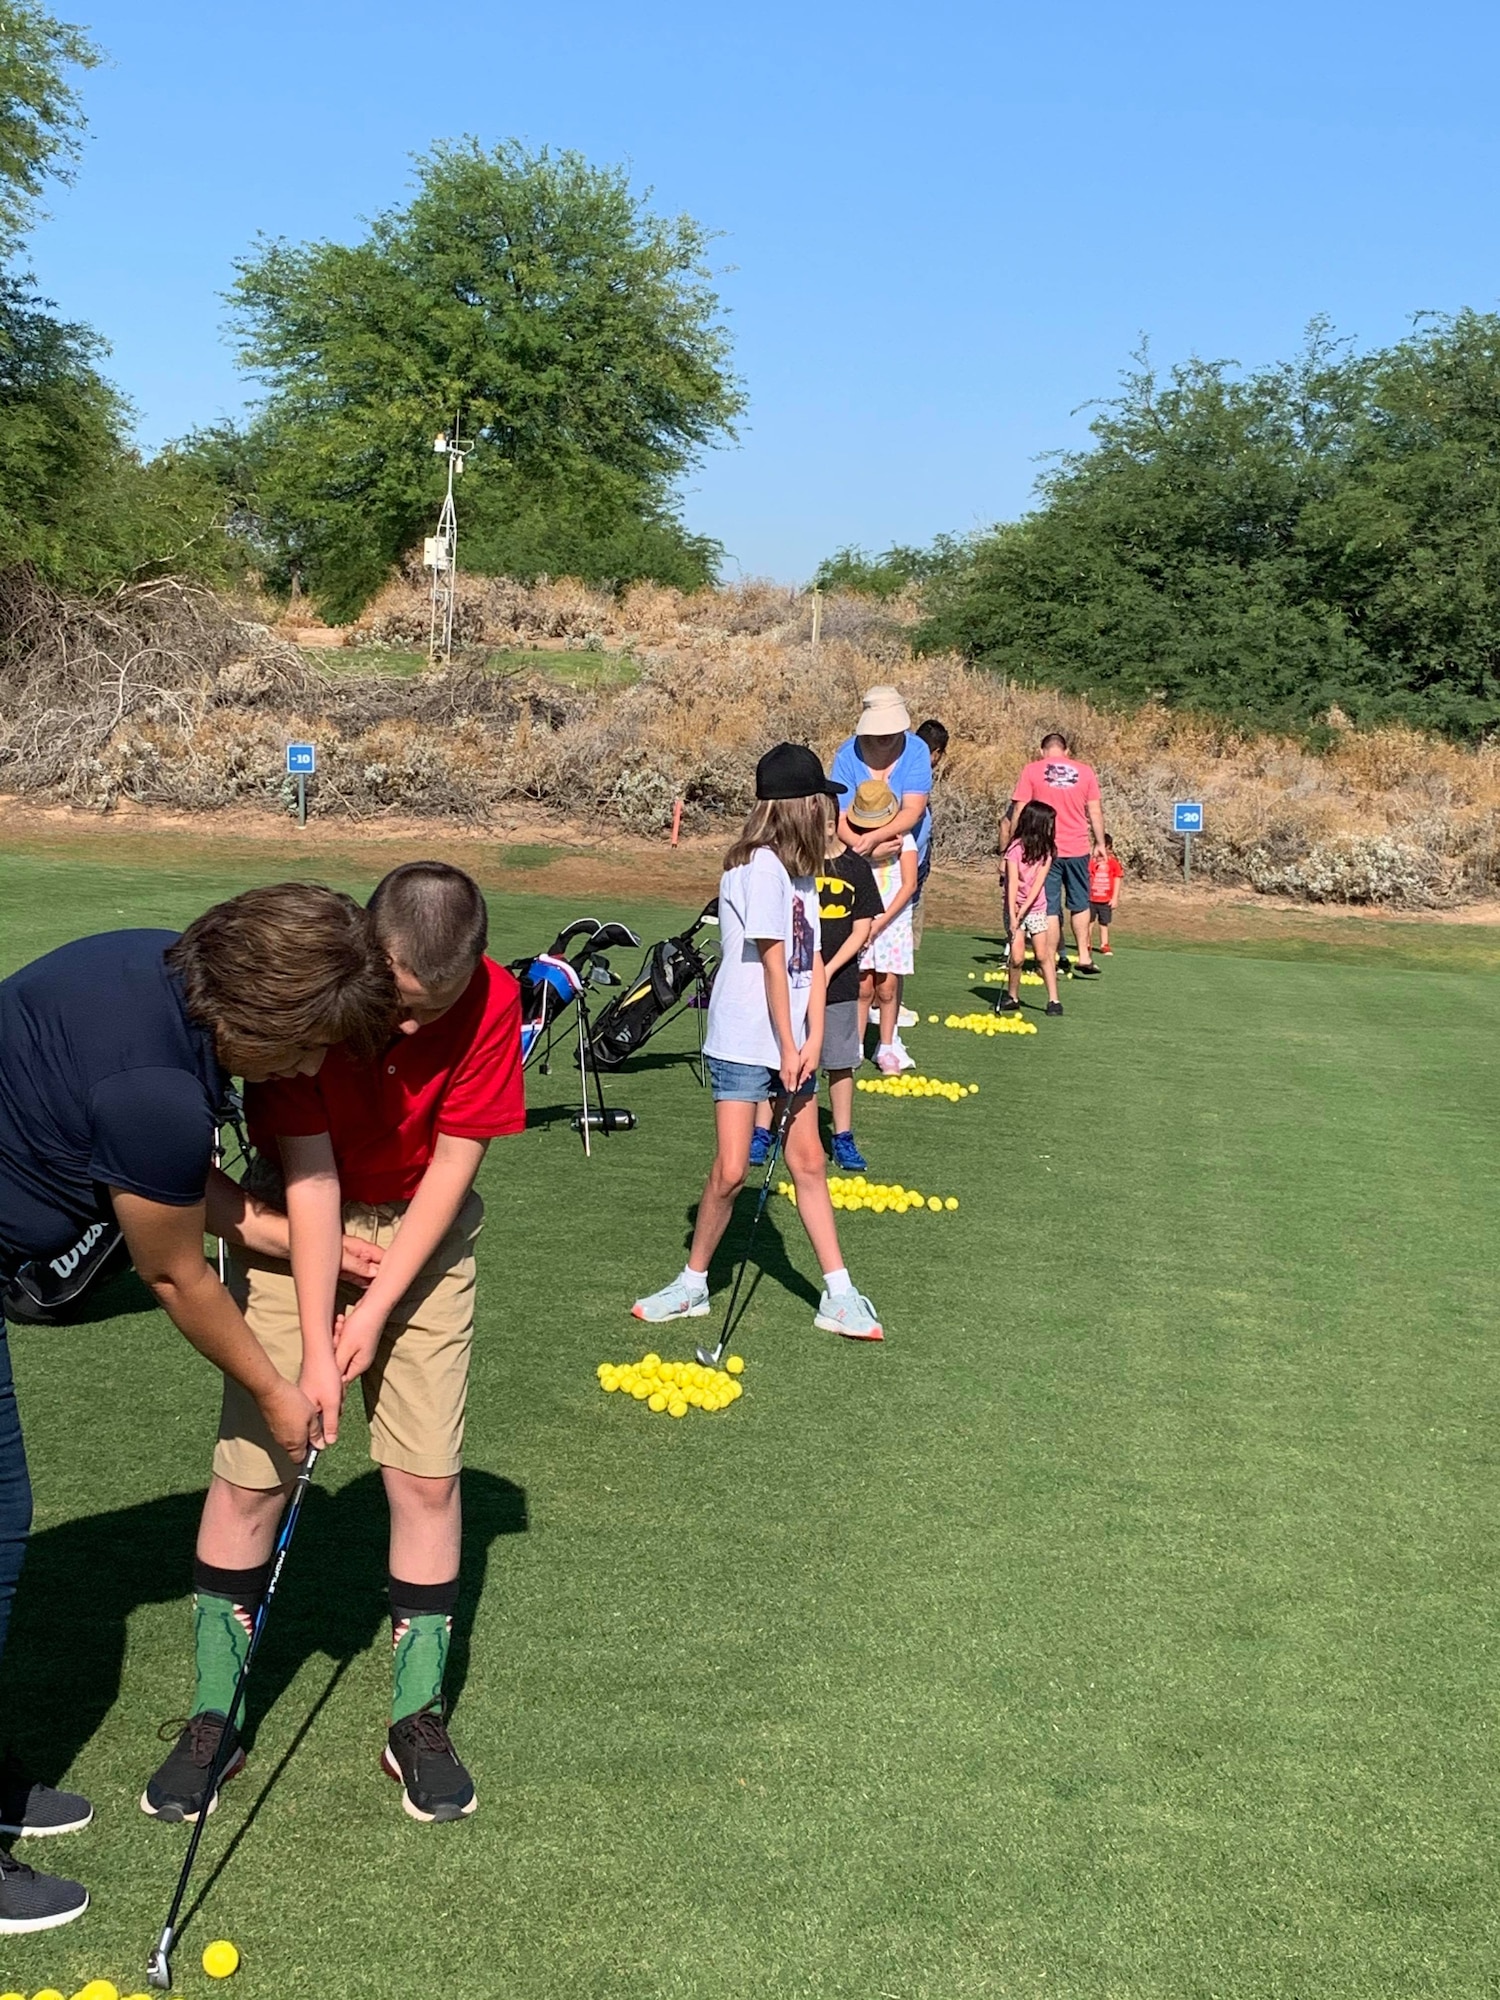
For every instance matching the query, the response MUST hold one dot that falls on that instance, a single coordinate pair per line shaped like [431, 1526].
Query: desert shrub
[165, 694]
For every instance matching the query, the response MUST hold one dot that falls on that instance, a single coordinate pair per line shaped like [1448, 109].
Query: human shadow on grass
[771, 1258]
[84, 1578]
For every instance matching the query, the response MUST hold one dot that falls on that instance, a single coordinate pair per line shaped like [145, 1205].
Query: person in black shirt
[848, 903]
[115, 1058]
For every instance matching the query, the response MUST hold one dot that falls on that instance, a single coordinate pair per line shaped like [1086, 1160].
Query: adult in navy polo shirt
[115, 1058]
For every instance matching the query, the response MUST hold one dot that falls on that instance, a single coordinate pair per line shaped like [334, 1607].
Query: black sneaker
[1007, 1004]
[1054, 1006]
[1065, 965]
[32, 1902]
[419, 1754]
[1088, 971]
[35, 1810]
[176, 1791]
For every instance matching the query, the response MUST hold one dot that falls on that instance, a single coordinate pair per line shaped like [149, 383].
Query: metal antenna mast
[440, 551]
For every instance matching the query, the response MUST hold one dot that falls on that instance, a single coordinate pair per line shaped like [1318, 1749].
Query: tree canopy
[1267, 545]
[534, 299]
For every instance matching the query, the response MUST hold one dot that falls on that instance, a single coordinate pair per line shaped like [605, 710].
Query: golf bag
[677, 970]
[556, 980]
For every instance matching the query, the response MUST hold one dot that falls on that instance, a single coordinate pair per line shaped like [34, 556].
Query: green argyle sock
[421, 1628]
[225, 1602]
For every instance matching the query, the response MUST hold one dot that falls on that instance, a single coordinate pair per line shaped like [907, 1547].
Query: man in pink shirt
[1072, 791]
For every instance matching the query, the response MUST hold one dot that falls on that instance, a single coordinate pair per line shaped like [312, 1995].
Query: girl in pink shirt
[1027, 864]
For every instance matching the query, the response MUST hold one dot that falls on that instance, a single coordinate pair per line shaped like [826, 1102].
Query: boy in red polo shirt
[386, 1151]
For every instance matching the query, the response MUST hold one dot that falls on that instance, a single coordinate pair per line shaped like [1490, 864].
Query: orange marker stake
[676, 819]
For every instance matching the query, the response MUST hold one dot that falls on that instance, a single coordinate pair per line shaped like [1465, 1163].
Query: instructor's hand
[291, 1419]
[359, 1260]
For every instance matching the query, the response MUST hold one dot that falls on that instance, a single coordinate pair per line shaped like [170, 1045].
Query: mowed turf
[1123, 1627]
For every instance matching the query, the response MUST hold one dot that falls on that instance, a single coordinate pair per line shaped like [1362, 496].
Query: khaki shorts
[417, 1385]
[918, 922]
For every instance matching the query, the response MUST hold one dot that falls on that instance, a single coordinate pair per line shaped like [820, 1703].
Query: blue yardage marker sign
[1187, 817]
[301, 760]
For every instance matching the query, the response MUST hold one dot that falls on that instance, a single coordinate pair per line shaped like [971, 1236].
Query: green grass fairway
[1124, 1629]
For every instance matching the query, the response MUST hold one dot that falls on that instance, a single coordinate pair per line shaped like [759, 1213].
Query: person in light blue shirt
[885, 746]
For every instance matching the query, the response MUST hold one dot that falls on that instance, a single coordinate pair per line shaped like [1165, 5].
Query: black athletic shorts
[1102, 913]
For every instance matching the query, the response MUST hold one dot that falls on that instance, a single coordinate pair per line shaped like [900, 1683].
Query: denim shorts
[748, 1083]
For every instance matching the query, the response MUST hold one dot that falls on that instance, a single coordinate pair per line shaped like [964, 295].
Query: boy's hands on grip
[356, 1336]
[323, 1386]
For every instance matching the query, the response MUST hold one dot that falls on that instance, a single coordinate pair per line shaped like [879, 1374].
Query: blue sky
[944, 226]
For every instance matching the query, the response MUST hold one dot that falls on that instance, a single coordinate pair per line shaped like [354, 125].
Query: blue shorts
[748, 1083]
[1068, 875]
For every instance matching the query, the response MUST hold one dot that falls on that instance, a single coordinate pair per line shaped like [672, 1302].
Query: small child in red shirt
[1105, 876]
[385, 1151]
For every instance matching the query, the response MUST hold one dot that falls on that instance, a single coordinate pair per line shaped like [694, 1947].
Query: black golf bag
[551, 983]
[678, 970]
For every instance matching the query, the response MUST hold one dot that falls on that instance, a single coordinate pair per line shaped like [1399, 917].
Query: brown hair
[795, 830]
[433, 919]
[294, 965]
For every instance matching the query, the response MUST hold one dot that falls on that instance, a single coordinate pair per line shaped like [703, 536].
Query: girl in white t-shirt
[765, 1034]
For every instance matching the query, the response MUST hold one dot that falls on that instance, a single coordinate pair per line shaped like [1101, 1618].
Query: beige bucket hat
[884, 713]
[874, 804]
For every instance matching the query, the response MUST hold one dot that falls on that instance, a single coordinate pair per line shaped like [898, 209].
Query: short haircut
[290, 966]
[432, 919]
[1054, 736]
[1109, 842]
[933, 734]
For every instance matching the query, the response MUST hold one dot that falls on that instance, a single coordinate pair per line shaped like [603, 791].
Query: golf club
[710, 1357]
[159, 1965]
[614, 1119]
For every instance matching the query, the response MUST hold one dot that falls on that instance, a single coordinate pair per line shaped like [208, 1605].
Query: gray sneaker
[33, 1902]
[848, 1313]
[28, 1809]
[674, 1301]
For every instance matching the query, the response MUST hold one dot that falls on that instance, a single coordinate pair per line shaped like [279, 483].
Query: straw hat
[874, 804]
[884, 713]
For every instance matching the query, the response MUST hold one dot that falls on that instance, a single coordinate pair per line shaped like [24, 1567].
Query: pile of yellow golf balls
[991, 1024]
[96, 1989]
[999, 978]
[916, 1086]
[674, 1386]
[884, 1197]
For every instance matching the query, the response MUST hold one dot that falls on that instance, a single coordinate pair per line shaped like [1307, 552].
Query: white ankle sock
[837, 1281]
[696, 1281]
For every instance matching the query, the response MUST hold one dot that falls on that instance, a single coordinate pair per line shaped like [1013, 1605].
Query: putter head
[159, 1964]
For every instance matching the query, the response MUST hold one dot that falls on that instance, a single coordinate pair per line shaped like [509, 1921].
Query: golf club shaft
[778, 1139]
[221, 1755]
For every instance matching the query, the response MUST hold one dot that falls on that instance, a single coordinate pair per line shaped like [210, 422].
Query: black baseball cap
[792, 771]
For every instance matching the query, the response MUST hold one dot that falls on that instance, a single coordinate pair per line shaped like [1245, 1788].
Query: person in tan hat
[884, 746]
[888, 953]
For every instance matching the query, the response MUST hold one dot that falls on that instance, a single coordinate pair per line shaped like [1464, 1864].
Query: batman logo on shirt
[835, 897]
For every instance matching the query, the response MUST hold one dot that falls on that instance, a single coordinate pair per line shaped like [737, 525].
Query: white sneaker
[907, 1017]
[674, 1301]
[849, 1313]
[903, 1055]
[887, 1061]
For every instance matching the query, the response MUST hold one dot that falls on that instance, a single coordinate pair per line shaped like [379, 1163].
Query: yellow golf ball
[677, 1407]
[951, 1202]
[934, 1202]
[47, 1993]
[98, 1989]
[735, 1364]
[657, 1402]
[220, 1959]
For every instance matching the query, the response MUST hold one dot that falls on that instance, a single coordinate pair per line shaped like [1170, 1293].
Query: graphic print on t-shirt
[1061, 774]
[804, 944]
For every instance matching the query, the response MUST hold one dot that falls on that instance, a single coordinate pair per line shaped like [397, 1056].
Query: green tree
[572, 333]
[1265, 545]
[40, 115]
[897, 569]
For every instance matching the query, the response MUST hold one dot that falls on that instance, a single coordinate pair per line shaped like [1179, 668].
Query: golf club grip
[236, 1700]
